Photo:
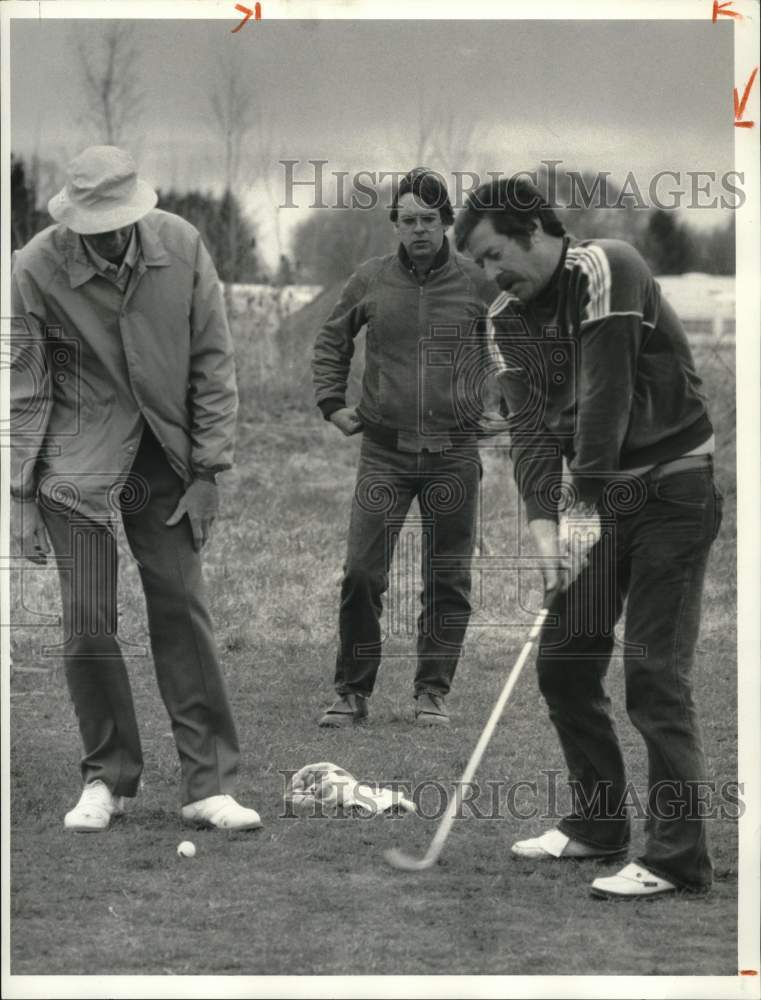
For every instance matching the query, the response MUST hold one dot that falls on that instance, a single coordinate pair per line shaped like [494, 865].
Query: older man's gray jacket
[91, 365]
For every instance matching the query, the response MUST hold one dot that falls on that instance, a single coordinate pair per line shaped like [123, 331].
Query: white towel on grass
[333, 789]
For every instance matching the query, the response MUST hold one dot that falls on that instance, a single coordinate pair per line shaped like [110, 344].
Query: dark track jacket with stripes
[596, 370]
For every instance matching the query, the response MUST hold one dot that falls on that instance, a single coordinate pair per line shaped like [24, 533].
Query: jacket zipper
[421, 328]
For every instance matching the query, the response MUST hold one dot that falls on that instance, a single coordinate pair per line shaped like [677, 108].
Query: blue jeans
[654, 555]
[446, 485]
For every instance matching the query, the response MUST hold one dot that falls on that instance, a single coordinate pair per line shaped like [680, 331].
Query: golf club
[397, 858]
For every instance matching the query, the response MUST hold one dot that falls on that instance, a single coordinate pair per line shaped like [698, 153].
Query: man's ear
[537, 233]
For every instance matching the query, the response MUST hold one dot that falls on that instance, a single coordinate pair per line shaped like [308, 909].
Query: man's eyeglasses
[409, 222]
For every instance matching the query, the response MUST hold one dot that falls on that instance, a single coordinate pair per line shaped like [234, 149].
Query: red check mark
[256, 13]
[741, 102]
[723, 9]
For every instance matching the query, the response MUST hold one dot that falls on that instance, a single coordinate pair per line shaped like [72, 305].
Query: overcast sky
[618, 96]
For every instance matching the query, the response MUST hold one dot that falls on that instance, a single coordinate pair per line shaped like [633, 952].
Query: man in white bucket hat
[124, 403]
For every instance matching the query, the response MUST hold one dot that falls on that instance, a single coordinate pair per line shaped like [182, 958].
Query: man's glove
[201, 503]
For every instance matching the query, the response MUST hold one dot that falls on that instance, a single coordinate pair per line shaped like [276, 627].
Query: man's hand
[565, 547]
[201, 503]
[555, 567]
[579, 531]
[28, 528]
[346, 420]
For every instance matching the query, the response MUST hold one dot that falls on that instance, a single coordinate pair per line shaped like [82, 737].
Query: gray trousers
[185, 656]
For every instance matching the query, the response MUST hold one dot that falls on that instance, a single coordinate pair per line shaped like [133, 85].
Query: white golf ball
[187, 849]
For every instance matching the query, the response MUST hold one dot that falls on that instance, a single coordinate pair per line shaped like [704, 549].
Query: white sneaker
[555, 844]
[95, 808]
[221, 812]
[632, 882]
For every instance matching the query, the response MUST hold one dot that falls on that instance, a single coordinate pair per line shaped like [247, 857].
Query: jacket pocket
[371, 388]
[385, 394]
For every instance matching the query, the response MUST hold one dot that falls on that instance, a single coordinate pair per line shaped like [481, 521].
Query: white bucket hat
[102, 192]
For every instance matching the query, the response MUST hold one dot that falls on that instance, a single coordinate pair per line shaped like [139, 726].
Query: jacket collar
[130, 258]
[441, 258]
[154, 252]
[547, 295]
[81, 268]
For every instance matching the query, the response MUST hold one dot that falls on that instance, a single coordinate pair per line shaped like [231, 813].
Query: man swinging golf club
[629, 421]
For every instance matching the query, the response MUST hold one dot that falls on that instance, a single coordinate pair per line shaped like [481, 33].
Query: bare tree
[265, 150]
[232, 119]
[454, 139]
[441, 138]
[419, 144]
[425, 138]
[233, 116]
[114, 98]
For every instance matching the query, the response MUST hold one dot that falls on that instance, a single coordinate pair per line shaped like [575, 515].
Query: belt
[442, 442]
[686, 463]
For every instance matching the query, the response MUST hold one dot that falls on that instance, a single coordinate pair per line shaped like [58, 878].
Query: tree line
[329, 245]
[216, 217]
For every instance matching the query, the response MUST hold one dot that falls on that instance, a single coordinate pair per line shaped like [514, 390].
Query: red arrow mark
[740, 103]
[257, 13]
[723, 9]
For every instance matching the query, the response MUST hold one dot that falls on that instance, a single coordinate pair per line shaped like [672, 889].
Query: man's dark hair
[430, 188]
[515, 207]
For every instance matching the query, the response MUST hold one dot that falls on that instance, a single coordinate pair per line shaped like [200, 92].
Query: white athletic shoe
[96, 807]
[555, 844]
[632, 882]
[221, 812]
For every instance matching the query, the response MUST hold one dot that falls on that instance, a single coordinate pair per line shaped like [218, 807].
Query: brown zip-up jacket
[426, 351]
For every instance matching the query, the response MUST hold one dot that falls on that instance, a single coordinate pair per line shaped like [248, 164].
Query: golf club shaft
[475, 758]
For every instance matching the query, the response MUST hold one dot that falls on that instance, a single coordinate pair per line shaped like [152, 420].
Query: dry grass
[314, 895]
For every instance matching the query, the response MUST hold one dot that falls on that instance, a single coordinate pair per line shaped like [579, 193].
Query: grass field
[313, 895]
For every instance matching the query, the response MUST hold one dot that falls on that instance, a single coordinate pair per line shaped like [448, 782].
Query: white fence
[706, 305]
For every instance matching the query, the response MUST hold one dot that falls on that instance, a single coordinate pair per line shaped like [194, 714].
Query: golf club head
[398, 859]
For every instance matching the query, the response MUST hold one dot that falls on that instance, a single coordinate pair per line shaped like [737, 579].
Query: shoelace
[94, 794]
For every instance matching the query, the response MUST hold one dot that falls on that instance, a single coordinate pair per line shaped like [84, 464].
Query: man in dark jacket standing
[423, 307]
[124, 404]
[598, 375]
